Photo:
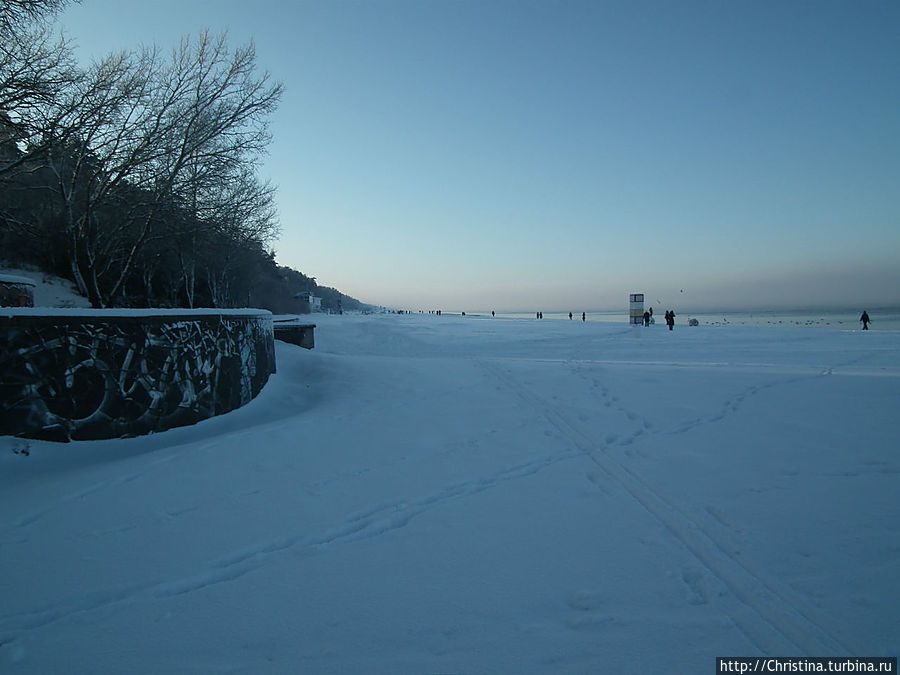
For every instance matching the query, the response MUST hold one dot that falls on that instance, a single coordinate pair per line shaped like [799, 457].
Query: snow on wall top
[12, 279]
[70, 312]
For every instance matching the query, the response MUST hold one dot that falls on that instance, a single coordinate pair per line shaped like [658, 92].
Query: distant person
[646, 318]
[651, 312]
[582, 317]
[865, 320]
[670, 319]
[492, 312]
[570, 316]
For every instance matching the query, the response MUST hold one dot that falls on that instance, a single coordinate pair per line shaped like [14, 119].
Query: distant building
[309, 302]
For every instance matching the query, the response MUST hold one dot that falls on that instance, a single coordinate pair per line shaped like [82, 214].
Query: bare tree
[15, 12]
[36, 70]
[36, 66]
[148, 134]
[136, 151]
[92, 143]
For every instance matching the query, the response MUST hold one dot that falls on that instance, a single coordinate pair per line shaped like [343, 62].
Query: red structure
[16, 291]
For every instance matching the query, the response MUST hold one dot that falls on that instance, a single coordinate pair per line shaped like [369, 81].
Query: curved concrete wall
[91, 374]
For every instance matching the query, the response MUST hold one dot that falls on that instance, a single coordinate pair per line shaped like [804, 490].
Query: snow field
[452, 494]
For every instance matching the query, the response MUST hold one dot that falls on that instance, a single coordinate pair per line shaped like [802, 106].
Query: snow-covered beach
[424, 494]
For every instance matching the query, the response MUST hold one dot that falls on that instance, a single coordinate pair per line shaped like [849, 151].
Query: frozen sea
[447, 494]
[834, 319]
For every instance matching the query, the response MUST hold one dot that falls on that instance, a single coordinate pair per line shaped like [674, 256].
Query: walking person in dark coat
[865, 320]
[670, 319]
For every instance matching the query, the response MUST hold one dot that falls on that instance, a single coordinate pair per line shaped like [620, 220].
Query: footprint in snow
[585, 600]
[587, 605]
[693, 579]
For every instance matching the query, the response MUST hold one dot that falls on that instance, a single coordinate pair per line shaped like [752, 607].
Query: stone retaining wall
[91, 374]
[302, 335]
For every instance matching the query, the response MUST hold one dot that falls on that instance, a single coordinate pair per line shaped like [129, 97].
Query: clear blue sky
[551, 155]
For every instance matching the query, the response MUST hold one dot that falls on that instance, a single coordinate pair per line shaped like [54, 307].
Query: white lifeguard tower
[636, 309]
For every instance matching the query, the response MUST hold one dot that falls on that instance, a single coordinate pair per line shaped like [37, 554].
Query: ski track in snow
[784, 621]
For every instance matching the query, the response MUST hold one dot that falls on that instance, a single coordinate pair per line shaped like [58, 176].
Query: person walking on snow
[865, 320]
[670, 319]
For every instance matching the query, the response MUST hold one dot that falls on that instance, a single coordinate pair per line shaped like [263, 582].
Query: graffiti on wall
[77, 378]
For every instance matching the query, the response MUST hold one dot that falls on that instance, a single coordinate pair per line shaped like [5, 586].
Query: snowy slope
[442, 494]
